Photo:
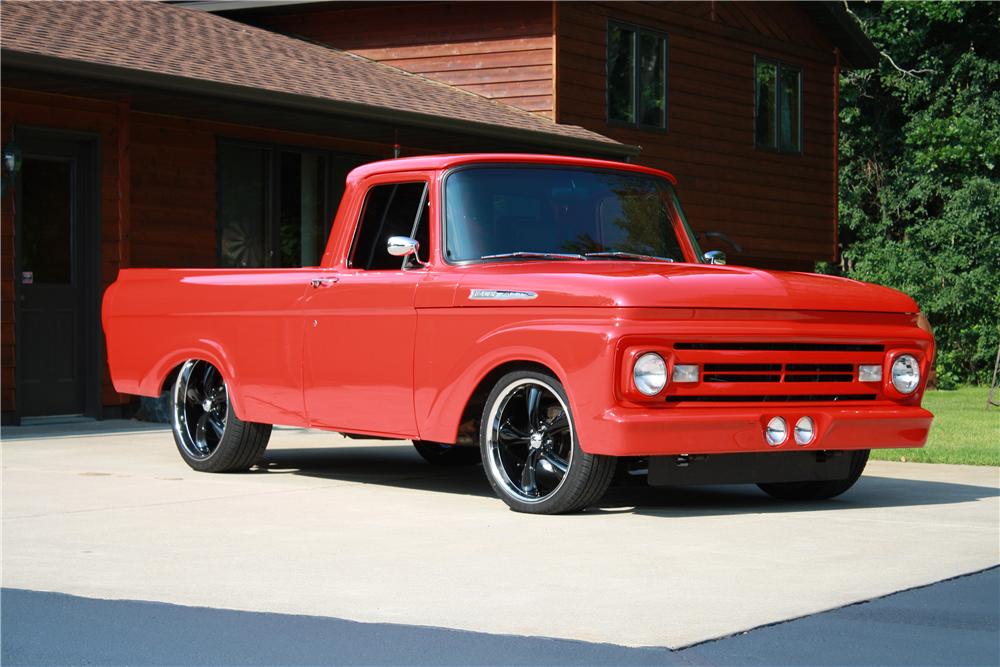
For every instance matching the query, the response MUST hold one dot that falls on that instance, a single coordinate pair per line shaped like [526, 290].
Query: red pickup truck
[551, 317]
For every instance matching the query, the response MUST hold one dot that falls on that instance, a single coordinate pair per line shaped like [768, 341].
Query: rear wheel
[440, 454]
[209, 435]
[530, 451]
[820, 490]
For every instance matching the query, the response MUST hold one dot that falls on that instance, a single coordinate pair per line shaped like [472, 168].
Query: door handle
[323, 282]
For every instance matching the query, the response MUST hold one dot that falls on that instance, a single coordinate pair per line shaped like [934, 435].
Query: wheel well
[171, 377]
[474, 406]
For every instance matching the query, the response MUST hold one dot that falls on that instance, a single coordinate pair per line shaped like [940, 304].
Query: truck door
[361, 321]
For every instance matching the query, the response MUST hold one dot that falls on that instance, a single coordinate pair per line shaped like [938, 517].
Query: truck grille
[778, 373]
[775, 372]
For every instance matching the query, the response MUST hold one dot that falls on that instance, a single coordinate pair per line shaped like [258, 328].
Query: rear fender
[209, 351]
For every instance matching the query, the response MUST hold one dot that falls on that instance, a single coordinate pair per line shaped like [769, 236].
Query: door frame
[88, 187]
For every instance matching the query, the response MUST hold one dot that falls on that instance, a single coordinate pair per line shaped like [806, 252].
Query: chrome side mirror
[404, 246]
[715, 257]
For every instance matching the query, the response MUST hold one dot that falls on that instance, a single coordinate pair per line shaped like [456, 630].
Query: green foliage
[964, 430]
[919, 185]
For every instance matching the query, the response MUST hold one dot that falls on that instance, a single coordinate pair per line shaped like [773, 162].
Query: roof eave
[247, 94]
[856, 47]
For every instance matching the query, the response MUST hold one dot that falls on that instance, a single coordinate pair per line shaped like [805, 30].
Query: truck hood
[660, 285]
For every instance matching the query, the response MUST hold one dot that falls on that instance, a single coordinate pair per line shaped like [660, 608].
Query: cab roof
[445, 162]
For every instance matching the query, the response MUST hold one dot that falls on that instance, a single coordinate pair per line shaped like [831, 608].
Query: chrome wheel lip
[494, 449]
[182, 426]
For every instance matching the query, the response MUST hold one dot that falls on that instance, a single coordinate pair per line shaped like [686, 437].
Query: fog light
[805, 431]
[905, 373]
[650, 374]
[870, 373]
[685, 373]
[776, 432]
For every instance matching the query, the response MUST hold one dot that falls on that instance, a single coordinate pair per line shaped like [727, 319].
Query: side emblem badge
[500, 295]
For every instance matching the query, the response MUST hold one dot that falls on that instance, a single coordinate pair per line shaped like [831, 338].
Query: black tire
[554, 475]
[820, 490]
[208, 434]
[440, 454]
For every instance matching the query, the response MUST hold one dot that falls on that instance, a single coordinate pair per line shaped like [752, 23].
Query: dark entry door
[55, 264]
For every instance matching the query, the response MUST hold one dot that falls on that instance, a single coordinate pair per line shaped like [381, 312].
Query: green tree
[919, 186]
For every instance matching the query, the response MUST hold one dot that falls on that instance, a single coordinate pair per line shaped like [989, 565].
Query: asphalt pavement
[951, 623]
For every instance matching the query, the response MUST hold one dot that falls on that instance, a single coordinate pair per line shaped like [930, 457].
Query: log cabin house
[186, 133]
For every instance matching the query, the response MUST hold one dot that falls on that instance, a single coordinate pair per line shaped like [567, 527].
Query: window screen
[399, 209]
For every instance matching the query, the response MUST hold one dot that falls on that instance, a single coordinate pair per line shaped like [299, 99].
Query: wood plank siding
[500, 50]
[781, 208]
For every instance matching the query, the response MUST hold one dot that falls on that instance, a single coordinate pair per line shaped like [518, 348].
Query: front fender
[457, 348]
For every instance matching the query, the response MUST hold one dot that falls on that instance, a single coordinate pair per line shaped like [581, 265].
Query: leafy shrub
[919, 186]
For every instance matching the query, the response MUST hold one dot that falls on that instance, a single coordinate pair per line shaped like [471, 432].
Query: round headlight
[776, 431]
[905, 374]
[805, 430]
[650, 373]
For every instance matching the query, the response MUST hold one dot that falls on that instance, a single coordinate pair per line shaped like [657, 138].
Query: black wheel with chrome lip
[530, 450]
[209, 435]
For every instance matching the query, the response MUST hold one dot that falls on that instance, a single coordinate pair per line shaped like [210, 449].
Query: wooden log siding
[500, 50]
[779, 207]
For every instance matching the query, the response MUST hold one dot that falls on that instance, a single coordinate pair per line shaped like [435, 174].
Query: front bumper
[623, 431]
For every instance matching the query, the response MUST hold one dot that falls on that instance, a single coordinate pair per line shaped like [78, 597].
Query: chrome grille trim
[773, 398]
[804, 347]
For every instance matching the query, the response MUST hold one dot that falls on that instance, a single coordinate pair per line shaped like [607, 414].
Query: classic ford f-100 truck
[558, 313]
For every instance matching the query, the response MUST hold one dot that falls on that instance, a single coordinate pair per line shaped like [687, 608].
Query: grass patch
[964, 431]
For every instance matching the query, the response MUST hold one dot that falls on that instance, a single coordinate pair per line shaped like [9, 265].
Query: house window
[778, 106]
[637, 77]
[276, 203]
[397, 209]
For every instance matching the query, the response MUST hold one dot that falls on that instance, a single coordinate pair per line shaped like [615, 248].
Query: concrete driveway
[367, 531]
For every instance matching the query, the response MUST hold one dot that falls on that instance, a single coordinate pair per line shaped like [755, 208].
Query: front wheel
[819, 490]
[530, 451]
[209, 435]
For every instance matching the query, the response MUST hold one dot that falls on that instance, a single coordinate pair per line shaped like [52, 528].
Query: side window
[397, 209]
[778, 106]
[637, 76]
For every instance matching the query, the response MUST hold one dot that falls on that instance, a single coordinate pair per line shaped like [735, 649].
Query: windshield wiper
[629, 255]
[534, 255]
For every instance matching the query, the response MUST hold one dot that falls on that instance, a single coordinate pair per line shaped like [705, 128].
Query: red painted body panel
[400, 353]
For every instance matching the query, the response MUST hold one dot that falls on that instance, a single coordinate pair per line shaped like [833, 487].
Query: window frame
[638, 31]
[779, 66]
[442, 194]
[425, 202]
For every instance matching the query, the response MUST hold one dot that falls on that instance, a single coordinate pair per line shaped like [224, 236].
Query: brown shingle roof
[157, 38]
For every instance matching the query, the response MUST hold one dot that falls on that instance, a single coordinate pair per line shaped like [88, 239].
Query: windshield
[496, 213]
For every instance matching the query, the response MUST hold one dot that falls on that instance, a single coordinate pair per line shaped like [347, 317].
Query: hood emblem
[500, 295]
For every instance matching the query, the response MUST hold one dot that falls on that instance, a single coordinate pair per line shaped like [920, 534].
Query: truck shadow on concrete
[399, 466]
